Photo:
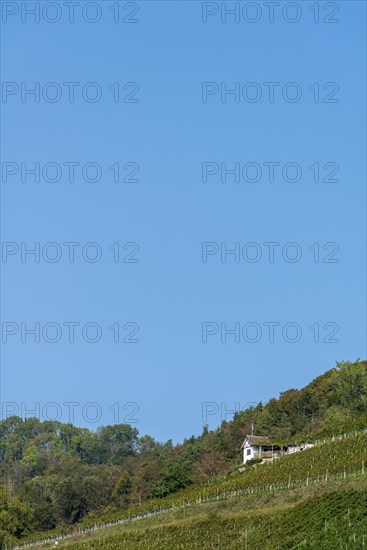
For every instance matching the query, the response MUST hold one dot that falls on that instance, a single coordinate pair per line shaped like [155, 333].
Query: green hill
[61, 481]
[313, 499]
[336, 519]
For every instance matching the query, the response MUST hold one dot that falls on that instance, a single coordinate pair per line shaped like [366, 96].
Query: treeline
[54, 474]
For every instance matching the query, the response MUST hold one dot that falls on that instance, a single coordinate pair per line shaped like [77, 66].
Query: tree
[208, 465]
[122, 490]
[117, 443]
[70, 500]
[175, 476]
[350, 386]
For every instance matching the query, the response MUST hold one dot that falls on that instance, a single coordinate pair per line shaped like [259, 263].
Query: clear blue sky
[169, 133]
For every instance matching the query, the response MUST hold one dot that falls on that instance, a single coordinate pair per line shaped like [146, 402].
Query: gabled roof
[256, 440]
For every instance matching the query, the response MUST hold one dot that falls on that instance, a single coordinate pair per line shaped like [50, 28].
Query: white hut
[257, 446]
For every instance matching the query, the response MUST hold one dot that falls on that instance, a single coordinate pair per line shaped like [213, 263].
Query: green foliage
[122, 490]
[57, 475]
[350, 386]
[253, 461]
[17, 518]
[336, 520]
[333, 461]
[175, 476]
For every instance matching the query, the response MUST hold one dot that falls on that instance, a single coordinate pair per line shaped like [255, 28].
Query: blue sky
[169, 133]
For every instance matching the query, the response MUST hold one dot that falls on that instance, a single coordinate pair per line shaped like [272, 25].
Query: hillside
[314, 499]
[334, 520]
[57, 478]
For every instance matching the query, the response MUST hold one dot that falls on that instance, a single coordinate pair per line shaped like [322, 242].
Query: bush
[253, 461]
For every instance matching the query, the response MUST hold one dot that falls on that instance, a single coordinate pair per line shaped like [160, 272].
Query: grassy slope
[321, 514]
[326, 516]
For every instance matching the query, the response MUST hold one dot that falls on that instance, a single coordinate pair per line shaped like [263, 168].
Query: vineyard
[335, 519]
